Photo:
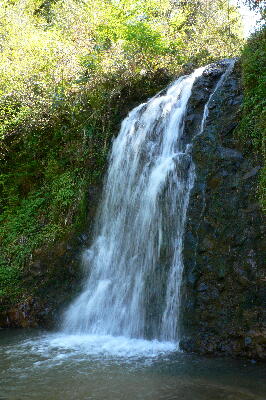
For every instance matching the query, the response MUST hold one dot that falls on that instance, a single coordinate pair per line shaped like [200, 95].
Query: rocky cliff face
[224, 252]
[224, 247]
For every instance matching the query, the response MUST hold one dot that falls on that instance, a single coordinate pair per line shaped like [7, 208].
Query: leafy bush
[9, 282]
[253, 125]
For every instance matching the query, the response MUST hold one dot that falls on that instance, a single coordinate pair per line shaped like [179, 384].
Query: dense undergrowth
[69, 72]
[252, 129]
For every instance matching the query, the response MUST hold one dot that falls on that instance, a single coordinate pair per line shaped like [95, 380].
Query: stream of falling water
[135, 263]
[120, 336]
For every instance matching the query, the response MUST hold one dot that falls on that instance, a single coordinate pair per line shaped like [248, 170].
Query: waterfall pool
[133, 273]
[37, 365]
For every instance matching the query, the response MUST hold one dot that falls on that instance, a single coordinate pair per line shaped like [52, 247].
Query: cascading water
[135, 266]
[135, 262]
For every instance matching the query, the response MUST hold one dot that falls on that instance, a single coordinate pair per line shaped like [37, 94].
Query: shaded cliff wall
[224, 246]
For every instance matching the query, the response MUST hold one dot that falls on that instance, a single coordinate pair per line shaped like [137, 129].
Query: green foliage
[9, 282]
[258, 5]
[253, 125]
[69, 71]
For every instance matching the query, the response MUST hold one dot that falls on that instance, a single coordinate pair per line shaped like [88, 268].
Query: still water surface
[52, 366]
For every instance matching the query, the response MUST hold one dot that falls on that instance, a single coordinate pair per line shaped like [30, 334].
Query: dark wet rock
[203, 287]
[247, 341]
[229, 153]
[223, 290]
[251, 173]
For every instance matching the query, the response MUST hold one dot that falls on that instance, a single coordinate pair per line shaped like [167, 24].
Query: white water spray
[135, 262]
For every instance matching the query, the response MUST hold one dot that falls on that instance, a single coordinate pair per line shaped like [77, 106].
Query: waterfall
[134, 266]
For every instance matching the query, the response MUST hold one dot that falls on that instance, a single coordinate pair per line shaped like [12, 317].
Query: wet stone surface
[224, 250]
